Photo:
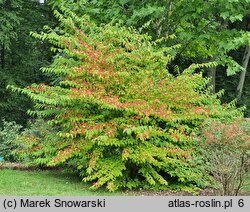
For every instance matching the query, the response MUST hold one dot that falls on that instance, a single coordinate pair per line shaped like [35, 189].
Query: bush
[36, 144]
[123, 121]
[8, 134]
[226, 149]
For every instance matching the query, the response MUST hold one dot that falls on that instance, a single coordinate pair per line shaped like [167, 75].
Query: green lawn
[52, 183]
[44, 183]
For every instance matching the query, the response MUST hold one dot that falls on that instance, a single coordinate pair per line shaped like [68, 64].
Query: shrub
[226, 149]
[8, 134]
[123, 121]
[36, 144]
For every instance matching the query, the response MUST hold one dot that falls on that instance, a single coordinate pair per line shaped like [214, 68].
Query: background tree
[21, 55]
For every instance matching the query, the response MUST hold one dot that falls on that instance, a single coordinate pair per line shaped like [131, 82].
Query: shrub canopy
[123, 121]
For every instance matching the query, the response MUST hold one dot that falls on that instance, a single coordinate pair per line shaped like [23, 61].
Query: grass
[45, 183]
[53, 183]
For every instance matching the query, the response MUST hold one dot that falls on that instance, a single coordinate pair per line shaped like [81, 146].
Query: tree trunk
[212, 75]
[2, 57]
[243, 73]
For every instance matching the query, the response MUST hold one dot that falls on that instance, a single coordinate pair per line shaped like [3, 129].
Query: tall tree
[246, 57]
[245, 61]
[10, 20]
[21, 55]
